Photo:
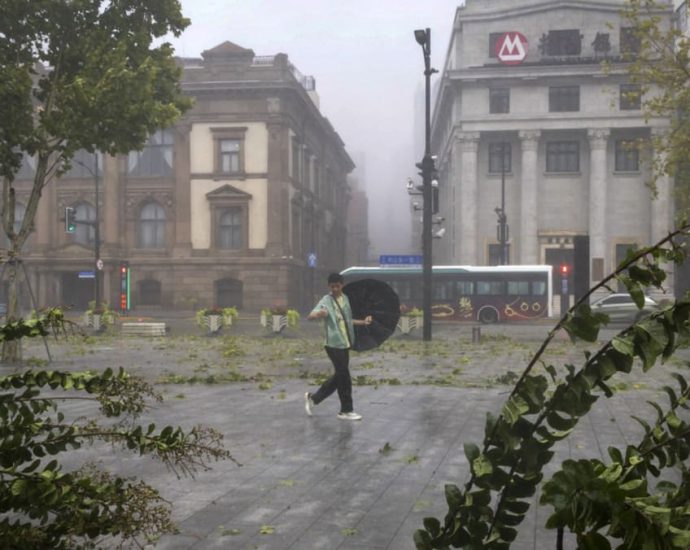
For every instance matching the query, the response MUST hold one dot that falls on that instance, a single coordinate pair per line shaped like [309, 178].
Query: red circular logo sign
[511, 48]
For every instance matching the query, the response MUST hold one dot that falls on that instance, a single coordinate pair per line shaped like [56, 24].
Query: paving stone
[322, 483]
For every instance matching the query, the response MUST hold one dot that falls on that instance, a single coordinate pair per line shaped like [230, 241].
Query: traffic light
[70, 220]
[565, 269]
[125, 304]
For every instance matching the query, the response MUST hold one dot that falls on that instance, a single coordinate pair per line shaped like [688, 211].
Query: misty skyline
[368, 70]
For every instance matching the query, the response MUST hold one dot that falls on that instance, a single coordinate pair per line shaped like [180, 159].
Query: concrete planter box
[407, 324]
[278, 322]
[214, 323]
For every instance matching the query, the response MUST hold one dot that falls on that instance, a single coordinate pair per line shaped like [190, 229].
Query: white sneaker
[308, 404]
[350, 416]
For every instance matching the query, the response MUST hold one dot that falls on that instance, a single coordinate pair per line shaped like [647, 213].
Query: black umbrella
[378, 299]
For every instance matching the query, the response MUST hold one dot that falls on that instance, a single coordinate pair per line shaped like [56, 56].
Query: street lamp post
[96, 231]
[423, 38]
[97, 239]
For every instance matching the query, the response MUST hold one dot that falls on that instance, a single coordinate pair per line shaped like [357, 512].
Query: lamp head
[420, 36]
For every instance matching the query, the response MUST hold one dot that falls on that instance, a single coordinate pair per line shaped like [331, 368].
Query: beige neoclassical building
[525, 107]
[225, 208]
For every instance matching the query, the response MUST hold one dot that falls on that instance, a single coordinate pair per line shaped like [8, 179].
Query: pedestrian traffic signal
[564, 270]
[125, 295]
[70, 220]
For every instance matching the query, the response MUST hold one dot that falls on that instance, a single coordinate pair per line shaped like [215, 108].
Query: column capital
[529, 139]
[598, 137]
[469, 141]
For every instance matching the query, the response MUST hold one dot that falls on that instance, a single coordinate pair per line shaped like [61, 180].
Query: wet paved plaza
[323, 483]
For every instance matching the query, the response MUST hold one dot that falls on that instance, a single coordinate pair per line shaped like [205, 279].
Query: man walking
[334, 309]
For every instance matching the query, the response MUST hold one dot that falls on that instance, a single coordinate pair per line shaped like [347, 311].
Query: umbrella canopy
[378, 299]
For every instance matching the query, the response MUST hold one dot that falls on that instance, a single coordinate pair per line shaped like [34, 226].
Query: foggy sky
[368, 70]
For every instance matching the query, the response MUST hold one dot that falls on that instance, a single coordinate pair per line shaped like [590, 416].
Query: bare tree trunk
[12, 349]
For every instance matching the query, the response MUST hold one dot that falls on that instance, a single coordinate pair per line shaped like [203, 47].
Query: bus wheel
[488, 315]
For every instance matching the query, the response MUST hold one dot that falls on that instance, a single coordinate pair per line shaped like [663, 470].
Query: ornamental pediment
[227, 191]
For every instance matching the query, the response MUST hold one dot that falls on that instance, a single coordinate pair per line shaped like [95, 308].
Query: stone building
[525, 107]
[222, 209]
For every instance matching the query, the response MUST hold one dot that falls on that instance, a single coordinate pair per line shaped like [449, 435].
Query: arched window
[156, 159]
[150, 292]
[152, 226]
[84, 165]
[229, 293]
[85, 233]
[230, 229]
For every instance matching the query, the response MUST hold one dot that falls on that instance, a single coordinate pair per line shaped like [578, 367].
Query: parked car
[621, 308]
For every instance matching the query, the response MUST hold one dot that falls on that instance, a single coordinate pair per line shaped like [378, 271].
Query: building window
[499, 158]
[499, 100]
[229, 150]
[229, 293]
[601, 44]
[84, 165]
[630, 43]
[19, 211]
[86, 232]
[229, 156]
[627, 156]
[494, 253]
[493, 38]
[563, 156]
[150, 292]
[563, 42]
[564, 99]
[297, 160]
[630, 97]
[230, 229]
[152, 226]
[156, 159]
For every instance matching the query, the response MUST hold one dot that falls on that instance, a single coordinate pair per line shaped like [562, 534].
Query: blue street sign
[400, 259]
[311, 259]
[87, 275]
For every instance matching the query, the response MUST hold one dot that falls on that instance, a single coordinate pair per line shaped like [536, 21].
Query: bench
[143, 329]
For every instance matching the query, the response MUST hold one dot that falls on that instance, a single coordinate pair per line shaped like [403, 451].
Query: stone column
[466, 245]
[598, 140]
[278, 197]
[661, 214]
[183, 194]
[661, 205]
[529, 247]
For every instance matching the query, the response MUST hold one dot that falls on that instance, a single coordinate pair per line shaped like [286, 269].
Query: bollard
[476, 334]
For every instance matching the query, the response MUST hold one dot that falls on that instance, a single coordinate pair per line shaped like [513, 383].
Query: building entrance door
[557, 257]
[77, 292]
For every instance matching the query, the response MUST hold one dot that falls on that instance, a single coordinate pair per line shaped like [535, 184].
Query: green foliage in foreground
[596, 501]
[42, 506]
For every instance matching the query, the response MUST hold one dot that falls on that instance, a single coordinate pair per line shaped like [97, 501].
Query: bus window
[518, 288]
[402, 288]
[538, 288]
[443, 290]
[464, 288]
[489, 288]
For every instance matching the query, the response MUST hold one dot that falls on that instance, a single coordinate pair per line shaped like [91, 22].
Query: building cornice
[492, 12]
